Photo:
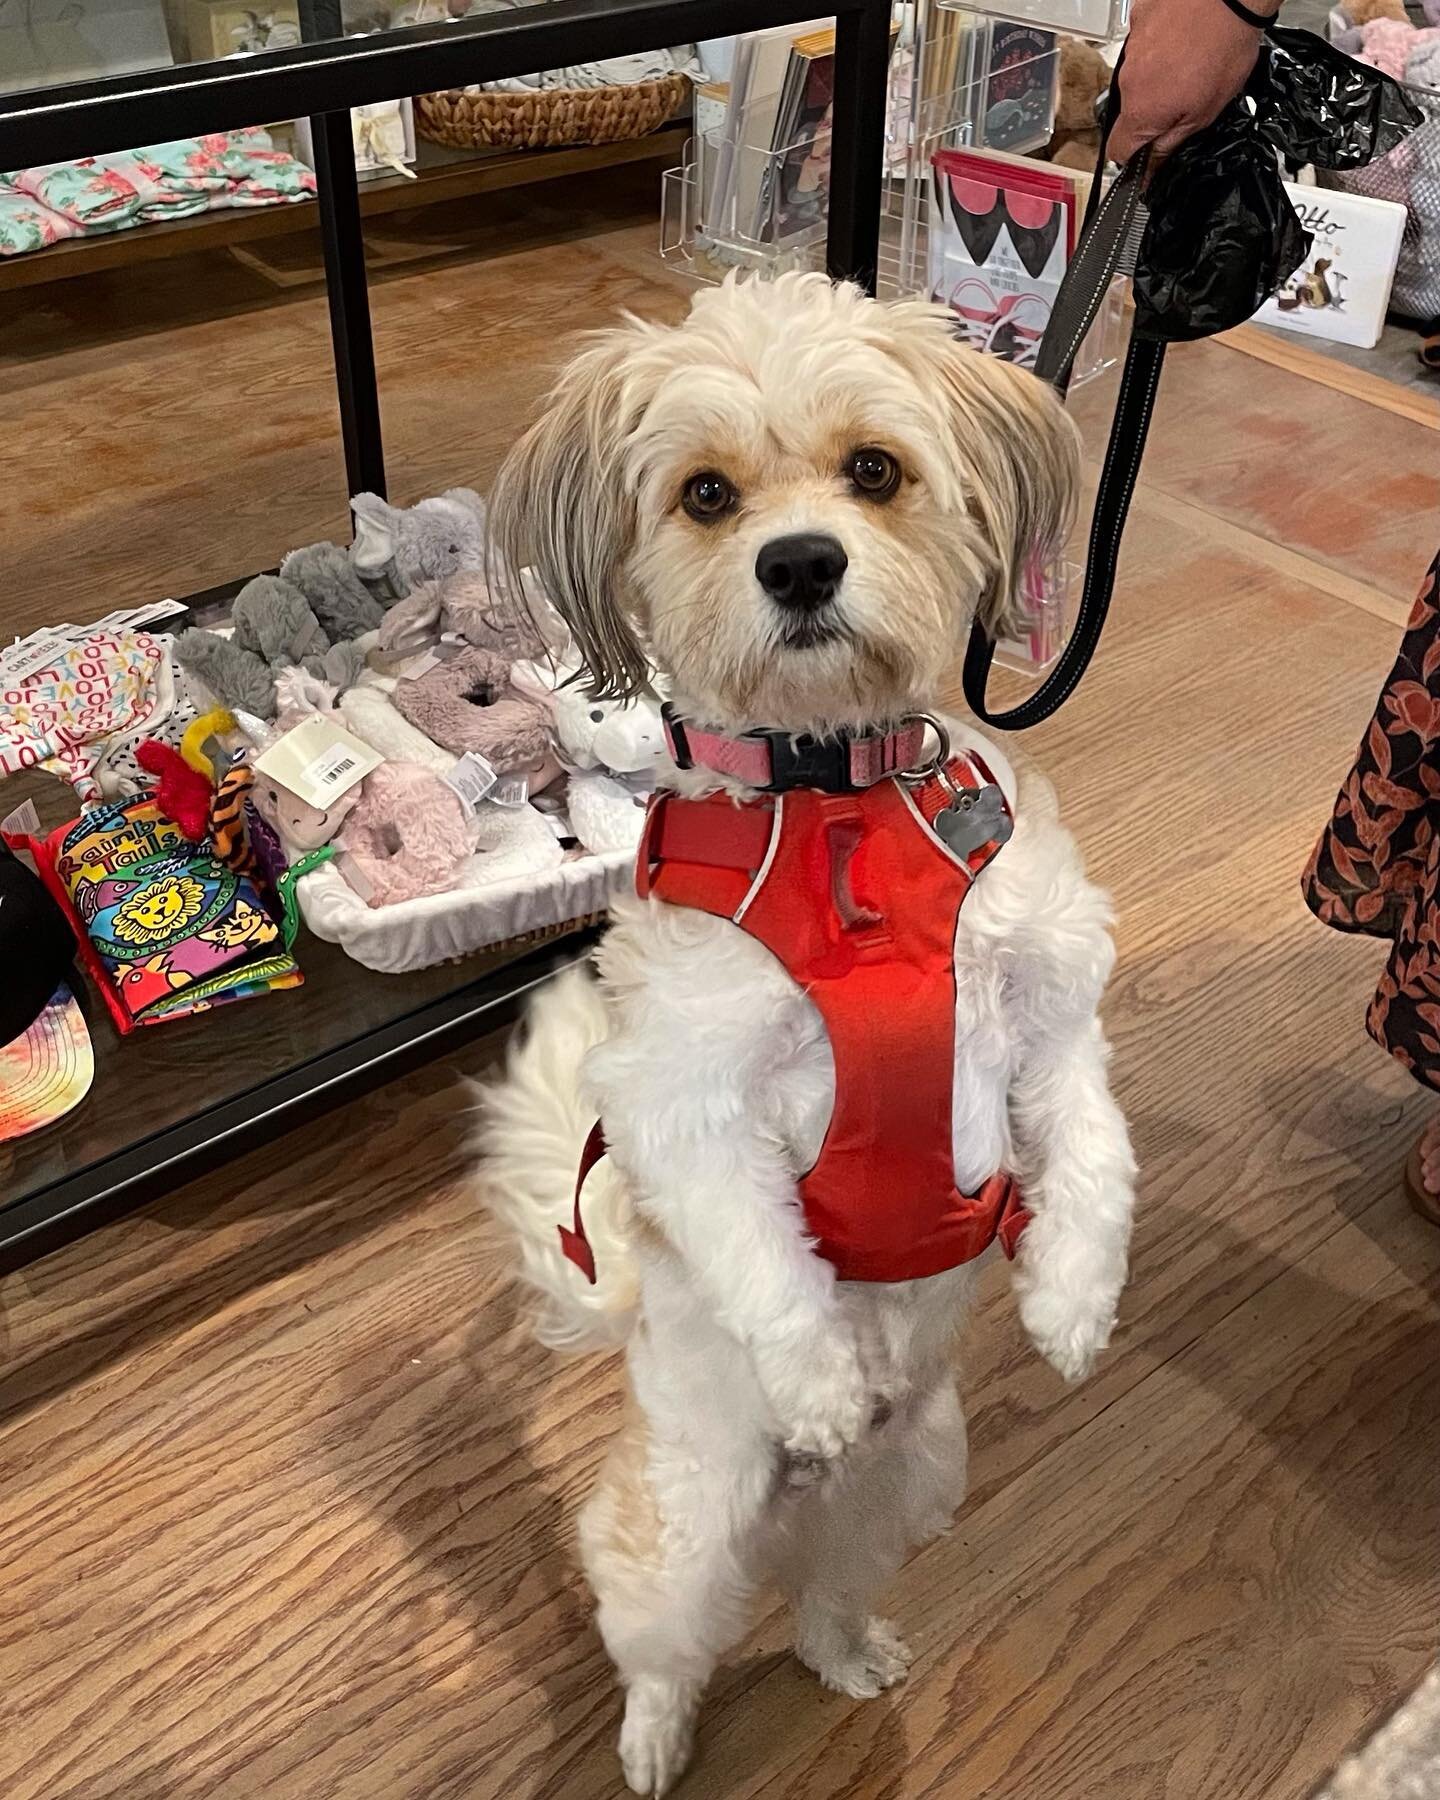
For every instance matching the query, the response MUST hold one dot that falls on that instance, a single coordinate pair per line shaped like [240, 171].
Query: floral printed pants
[1376, 868]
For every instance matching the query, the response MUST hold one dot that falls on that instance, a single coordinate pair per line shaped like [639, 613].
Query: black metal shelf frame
[323, 78]
[328, 74]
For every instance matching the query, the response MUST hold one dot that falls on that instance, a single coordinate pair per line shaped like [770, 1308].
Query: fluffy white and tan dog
[787, 1427]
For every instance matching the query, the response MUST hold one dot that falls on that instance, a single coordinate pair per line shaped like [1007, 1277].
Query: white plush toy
[610, 750]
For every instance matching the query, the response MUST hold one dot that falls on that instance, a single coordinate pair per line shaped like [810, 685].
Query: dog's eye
[875, 472]
[707, 495]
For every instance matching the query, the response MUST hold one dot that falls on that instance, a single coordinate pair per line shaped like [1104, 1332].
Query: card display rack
[751, 195]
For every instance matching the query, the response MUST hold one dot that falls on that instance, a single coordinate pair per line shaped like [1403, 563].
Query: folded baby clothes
[97, 194]
[26, 225]
[60, 701]
[170, 713]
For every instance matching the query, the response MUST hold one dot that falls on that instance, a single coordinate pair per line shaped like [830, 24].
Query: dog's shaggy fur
[784, 1426]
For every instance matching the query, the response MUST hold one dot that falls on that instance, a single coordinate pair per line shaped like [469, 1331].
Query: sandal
[1424, 1202]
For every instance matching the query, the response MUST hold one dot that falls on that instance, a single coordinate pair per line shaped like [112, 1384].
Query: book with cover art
[802, 136]
[737, 193]
[1343, 288]
[1000, 238]
[1017, 101]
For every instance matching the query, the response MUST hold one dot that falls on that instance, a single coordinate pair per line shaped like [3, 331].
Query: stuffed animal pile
[491, 761]
[1380, 32]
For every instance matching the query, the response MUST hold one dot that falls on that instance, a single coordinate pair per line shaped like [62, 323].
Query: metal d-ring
[942, 754]
[939, 764]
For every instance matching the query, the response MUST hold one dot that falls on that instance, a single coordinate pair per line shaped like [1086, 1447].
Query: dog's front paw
[823, 1404]
[1069, 1330]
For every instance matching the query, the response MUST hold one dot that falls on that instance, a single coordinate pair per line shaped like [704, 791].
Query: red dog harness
[858, 898]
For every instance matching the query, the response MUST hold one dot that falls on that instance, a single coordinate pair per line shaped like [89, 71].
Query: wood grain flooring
[173, 426]
[285, 1492]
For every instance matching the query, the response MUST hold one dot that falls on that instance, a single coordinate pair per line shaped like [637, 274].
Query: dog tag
[975, 817]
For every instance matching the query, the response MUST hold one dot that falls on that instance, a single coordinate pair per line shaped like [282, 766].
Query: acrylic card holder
[754, 190]
[1043, 619]
[1099, 20]
[1000, 233]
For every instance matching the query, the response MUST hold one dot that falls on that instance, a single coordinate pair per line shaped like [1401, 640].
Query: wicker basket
[539, 120]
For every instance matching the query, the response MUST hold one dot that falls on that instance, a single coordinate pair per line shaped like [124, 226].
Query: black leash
[1108, 242]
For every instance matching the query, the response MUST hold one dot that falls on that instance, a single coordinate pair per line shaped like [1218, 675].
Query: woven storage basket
[537, 121]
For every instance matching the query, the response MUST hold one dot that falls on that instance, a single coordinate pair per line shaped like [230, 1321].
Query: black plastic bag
[1222, 235]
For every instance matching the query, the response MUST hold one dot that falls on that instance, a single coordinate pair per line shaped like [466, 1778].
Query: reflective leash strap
[1108, 243]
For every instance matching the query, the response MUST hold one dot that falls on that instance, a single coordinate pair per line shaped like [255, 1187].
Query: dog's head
[793, 502]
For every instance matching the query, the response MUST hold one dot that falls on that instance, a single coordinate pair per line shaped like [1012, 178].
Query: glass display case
[167, 1103]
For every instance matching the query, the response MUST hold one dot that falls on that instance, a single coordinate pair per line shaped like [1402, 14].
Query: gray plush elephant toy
[401, 546]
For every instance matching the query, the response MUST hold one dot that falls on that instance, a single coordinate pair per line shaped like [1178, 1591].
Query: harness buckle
[676, 736]
[809, 762]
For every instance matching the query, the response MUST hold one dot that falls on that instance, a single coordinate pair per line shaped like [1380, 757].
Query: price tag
[318, 760]
[23, 822]
[511, 790]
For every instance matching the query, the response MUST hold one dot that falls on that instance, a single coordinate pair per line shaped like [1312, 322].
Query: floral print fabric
[41, 206]
[1376, 868]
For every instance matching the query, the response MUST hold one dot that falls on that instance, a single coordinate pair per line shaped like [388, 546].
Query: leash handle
[1108, 242]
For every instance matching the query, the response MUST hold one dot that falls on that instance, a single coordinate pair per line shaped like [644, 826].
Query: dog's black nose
[803, 570]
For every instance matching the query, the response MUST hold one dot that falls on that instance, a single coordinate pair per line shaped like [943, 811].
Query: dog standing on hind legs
[839, 1044]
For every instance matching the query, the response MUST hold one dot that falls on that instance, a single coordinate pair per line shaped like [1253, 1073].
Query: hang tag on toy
[472, 779]
[30, 655]
[23, 822]
[511, 790]
[975, 817]
[318, 760]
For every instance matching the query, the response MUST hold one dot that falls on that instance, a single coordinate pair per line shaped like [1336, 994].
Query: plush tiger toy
[229, 831]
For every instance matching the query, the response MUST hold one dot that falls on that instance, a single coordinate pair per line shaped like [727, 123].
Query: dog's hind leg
[899, 1489]
[675, 1549]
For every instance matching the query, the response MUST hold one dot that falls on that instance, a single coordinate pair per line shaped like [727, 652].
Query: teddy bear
[340, 600]
[464, 607]
[1380, 33]
[1084, 78]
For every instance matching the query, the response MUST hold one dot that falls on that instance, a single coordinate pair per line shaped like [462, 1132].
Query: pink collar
[776, 760]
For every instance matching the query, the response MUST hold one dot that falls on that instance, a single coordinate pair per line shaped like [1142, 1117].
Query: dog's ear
[561, 507]
[1018, 454]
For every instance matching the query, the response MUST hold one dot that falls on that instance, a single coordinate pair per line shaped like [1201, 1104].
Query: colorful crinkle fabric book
[168, 930]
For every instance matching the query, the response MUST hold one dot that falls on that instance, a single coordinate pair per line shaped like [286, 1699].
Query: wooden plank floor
[287, 1494]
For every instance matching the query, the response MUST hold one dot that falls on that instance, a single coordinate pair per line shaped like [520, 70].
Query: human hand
[1185, 60]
